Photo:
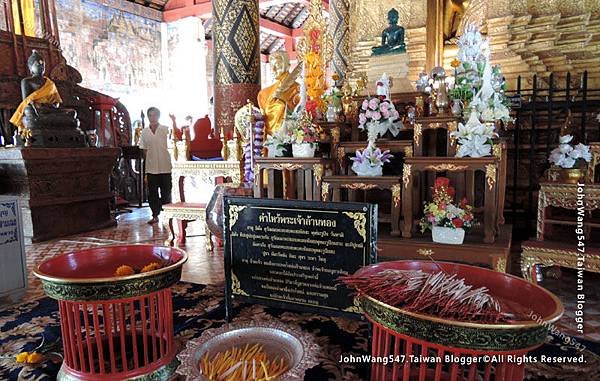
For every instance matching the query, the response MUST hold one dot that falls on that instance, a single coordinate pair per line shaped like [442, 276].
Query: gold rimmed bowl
[279, 340]
[89, 274]
[533, 307]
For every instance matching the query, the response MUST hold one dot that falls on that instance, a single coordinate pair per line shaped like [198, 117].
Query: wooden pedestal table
[472, 252]
[302, 176]
[332, 185]
[558, 195]
[434, 123]
[62, 191]
[180, 212]
[422, 165]
[547, 253]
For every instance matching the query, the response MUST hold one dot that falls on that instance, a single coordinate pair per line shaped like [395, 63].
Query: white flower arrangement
[479, 85]
[277, 142]
[568, 156]
[474, 138]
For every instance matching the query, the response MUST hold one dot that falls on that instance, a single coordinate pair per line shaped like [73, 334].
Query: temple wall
[117, 52]
[527, 36]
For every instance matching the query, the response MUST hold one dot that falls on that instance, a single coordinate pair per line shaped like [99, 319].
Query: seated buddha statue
[282, 95]
[392, 37]
[40, 108]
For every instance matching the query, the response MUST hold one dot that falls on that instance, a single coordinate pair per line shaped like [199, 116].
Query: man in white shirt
[153, 141]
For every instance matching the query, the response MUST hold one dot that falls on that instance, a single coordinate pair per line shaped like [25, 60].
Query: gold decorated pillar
[236, 59]
[339, 11]
[435, 34]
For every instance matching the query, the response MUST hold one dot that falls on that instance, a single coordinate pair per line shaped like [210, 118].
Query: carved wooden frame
[352, 183]
[563, 196]
[531, 256]
[314, 169]
[489, 165]
[448, 123]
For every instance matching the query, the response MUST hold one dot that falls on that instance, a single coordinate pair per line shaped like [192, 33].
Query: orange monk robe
[47, 94]
[274, 108]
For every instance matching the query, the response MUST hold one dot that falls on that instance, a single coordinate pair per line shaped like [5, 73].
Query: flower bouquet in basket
[447, 221]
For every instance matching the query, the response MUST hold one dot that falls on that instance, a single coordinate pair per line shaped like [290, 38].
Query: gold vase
[572, 175]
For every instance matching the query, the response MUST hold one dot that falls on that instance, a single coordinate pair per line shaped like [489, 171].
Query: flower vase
[571, 175]
[441, 99]
[303, 150]
[287, 150]
[367, 170]
[450, 236]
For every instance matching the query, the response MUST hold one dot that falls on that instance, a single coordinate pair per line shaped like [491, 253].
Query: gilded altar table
[181, 210]
[564, 196]
[547, 253]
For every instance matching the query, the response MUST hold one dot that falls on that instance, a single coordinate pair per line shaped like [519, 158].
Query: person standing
[153, 141]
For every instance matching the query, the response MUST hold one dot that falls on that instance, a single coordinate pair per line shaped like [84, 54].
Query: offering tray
[278, 339]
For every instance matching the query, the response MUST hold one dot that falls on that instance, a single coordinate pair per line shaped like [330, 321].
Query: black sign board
[289, 253]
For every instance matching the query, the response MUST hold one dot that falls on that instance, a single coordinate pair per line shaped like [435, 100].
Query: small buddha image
[40, 107]
[282, 95]
[392, 38]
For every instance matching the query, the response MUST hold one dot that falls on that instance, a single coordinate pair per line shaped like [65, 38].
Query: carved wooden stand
[62, 191]
[552, 251]
[489, 165]
[354, 183]
[302, 176]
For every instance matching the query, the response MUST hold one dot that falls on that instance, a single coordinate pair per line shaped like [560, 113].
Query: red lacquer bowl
[537, 307]
[89, 274]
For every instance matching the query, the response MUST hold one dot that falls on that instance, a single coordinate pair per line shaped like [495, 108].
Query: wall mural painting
[118, 53]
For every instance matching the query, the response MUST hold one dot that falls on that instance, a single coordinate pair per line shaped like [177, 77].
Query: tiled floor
[205, 268]
[200, 268]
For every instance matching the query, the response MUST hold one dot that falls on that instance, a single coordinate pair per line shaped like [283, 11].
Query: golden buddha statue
[282, 95]
[454, 11]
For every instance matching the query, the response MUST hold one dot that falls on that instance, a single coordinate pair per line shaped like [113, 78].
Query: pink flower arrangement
[377, 109]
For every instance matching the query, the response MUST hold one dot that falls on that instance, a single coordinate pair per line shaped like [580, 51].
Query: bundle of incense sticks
[249, 363]
[436, 294]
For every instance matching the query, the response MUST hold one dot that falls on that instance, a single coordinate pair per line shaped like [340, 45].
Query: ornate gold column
[339, 11]
[435, 34]
[236, 45]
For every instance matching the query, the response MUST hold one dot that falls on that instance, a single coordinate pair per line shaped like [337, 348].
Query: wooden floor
[207, 268]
